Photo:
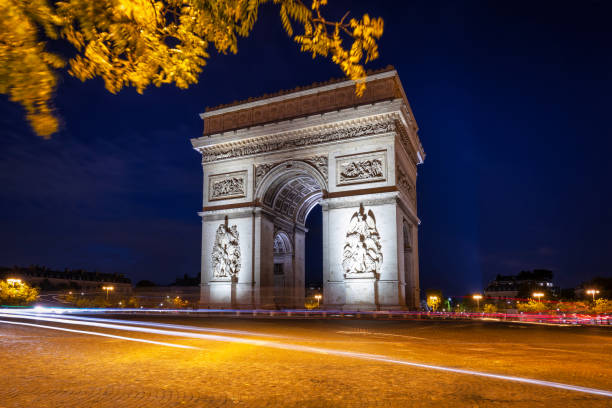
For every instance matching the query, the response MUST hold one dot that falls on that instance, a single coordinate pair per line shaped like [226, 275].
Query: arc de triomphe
[269, 161]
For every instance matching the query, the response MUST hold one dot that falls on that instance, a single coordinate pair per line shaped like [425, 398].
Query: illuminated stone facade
[267, 162]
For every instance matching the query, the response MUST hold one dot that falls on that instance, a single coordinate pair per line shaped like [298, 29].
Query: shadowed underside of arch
[292, 191]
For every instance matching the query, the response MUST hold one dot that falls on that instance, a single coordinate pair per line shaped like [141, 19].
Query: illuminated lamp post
[108, 289]
[538, 295]
[593, 292]
[477, 299]
[434, 301]
[14, 282]
[318, 297]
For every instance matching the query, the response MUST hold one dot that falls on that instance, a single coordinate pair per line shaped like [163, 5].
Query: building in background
[523, 285]
[50, 280]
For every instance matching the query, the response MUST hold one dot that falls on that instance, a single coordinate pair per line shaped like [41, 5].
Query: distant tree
[603, 306]
[434, 298]
[153, 42]
[187, 280]
[17, 293]
[568, 294]
[177, 303]
[531, 306]
[145, 284]
[490, 308]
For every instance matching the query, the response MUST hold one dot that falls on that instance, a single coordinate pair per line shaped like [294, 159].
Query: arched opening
[283, 267]
[314, 249]
[289, 192]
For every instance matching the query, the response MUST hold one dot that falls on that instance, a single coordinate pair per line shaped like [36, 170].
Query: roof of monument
[282, 92]
[317, 98]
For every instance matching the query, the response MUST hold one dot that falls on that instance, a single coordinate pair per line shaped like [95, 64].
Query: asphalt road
[227, 362]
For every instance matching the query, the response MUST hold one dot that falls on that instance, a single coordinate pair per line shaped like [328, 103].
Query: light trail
[162, 325]
[318, 350]
[159, 343]
[570, 318]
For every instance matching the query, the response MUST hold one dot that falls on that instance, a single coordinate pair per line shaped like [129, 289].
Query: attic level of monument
[268, 162]
[384, 86]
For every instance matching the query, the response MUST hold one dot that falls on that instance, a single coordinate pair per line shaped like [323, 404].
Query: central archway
[287, 194]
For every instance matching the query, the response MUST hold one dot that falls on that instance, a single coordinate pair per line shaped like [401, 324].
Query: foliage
[87, 301]
[153, 42]
[531, 307]
[603, 306]
[17, 293]
[177, 302]
[310, 303]
[434, 298]
[490, 308]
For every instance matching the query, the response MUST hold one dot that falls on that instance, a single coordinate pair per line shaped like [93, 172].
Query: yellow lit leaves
[142, 42]
[26, 69]
[364, 34]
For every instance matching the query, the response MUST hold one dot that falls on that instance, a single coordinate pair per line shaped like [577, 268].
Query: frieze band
[270, 145]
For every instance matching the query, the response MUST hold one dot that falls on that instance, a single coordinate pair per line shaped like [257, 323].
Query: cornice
[303, 123]
[363, 127]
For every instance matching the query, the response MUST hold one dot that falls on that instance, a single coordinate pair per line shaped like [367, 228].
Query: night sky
[511, 98]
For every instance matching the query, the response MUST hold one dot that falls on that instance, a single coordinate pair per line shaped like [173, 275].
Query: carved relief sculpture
[318, 162]
[291, 140]
[226, 253]
[362, 168]
[226, 186]
[362, 254]
[261, 170]
[405, 185]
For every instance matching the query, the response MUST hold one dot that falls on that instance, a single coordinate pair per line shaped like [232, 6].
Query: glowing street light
[592, 292]
[318, 297]
[434, 301]
[108, 289]
[13, 281]
[477, 298]
[538, 295]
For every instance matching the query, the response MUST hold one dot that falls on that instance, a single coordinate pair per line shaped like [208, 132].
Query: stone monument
[269, 161]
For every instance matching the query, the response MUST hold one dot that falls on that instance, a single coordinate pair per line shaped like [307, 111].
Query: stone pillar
[360, 252]
[222, 294]
[415, 298]
[299, 268]
[263, 259]
[204, 274]
[389, 284]
[333, 281]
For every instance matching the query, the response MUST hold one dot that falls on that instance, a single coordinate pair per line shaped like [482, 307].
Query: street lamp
[107, 289]
[477, 299]
[538, 295]
[318, 297]
[14, 282]
[434, 301]
[592, 292]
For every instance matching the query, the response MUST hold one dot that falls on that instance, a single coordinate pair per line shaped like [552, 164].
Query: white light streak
[167, 326]
[159, 343]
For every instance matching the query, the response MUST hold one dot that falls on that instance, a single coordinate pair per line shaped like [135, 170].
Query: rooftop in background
[43, 272]
[317, 98]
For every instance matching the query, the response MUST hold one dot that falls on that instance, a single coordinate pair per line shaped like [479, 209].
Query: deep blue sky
[512, 100]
